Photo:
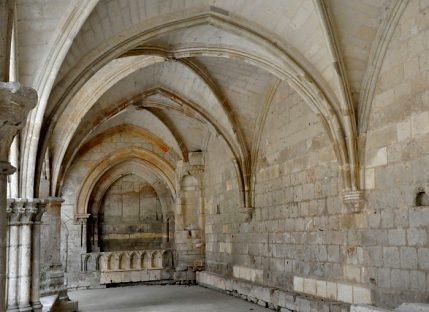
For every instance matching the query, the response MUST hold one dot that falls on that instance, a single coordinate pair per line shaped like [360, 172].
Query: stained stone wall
[71, 244]
[295, 227]
[294, 230]
[300, 237]
[131, 217]
[396, 231]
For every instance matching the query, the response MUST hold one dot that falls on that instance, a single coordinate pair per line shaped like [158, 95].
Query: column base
[26, 308]
[37, 306]
[12, 309]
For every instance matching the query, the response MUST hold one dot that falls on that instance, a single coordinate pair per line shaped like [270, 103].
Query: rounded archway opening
[129, 217]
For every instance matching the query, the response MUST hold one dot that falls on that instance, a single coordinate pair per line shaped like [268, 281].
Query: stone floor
[160, 299]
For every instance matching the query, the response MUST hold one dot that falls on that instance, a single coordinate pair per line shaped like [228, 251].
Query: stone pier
[15, 103]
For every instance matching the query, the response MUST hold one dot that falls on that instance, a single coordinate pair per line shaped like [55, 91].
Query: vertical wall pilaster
[52, 271]
[189, 217]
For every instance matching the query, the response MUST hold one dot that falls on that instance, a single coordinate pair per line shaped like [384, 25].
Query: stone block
[361, 295]
[333, 253]
[345, 293]
[154, 275]
[216, 281]
[383, 277]
[391, 257]
[419, 216]
[321, 289]
[125, 277]
[331, 290]
[416, 237]
[397, 237]
[303, 305]
[408, 258]
[400, 279]
[310, 286]
[257, 276]
[352, 273]
[236, 271]
[144, 275]
[377, 158]
[116, 277]
[417, 280]
[298, 284]
[423, 258]
[135, 276]
[262, 293]
[245, 273]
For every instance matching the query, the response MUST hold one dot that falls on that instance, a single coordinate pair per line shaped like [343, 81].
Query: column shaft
[5, 170]
[25, 267]
[3, 243]
[35, 277]
[12, 300]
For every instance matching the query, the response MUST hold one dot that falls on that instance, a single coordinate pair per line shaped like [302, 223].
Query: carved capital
[54, 202]
[41, 209]
[354, 201]
[16, 101]
[31, 207]
[81, 218]
[13, 211]
[24, 211]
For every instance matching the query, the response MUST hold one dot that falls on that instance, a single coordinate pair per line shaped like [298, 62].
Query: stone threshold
[269, 297]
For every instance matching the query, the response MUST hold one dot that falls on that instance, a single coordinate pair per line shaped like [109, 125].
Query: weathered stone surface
[281, 145]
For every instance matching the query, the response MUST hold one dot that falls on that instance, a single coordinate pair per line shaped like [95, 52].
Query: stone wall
[73, 232]
[395, 232]
[301, 238]
[131, 217]
[295, 230]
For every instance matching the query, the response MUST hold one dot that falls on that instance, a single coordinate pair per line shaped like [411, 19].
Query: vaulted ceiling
[184, 70]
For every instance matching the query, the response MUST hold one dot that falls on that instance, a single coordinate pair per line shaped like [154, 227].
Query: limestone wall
[395, 232]
[296, 227]
[73, 232]
[130, 218]
[301, 238]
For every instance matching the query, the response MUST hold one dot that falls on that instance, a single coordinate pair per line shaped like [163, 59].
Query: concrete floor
[160, 299]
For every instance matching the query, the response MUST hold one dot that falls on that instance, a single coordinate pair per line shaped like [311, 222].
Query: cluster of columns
[15, 103]
[24, 254]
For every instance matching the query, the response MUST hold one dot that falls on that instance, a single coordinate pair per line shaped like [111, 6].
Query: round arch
[152, 161]
[135, 167]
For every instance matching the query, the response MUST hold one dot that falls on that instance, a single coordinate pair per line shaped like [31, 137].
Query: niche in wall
[190, 202]
[130, 217]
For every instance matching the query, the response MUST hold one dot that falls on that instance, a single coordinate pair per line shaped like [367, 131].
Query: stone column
[5, 170]
[53, 273]
[82, 220]
[14, 215]
[25, 257]
[35, 249]
[15, 103]
[52, 270]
